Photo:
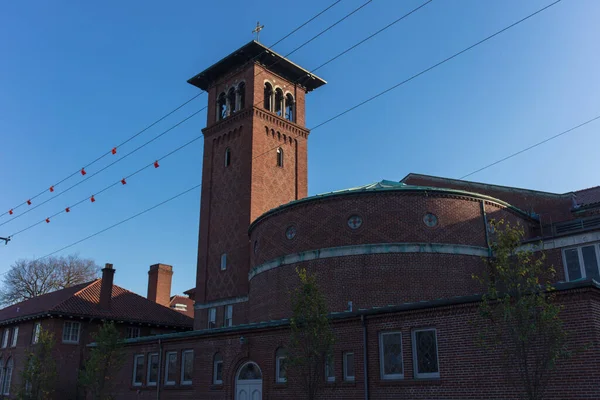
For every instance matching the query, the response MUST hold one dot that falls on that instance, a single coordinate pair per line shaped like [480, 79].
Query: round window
[290, 232]
[430, 220]
[355, 221]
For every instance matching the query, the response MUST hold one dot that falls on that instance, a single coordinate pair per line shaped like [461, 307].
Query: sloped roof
[82, 300]
[189, 303]
[587, 197]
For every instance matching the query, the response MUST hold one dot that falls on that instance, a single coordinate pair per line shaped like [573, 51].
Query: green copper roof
[392, 186]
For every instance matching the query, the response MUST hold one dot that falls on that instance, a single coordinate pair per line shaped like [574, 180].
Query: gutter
[363, 320]
[159, 372]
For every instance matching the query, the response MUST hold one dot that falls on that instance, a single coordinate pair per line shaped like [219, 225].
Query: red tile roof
[82, 300]
[587, 196]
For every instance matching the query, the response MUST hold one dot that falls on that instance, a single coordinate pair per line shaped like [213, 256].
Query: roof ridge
[87, 285]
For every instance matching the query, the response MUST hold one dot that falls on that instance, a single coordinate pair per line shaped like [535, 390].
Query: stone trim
[567, 241]
[218, 303]
[379, 248]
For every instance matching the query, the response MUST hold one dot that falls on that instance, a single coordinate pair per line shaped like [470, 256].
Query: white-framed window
[171, 368]
[330, 369]
[349, 366]
[187, 366]
[425, 353]
[133, 332]
[212, 318]
[228, 321]
[390, 355]
[37, 328]
[15, 336]
[223, 261]
[6, 382]
[218, 369]
[138, 369]
[280, 366]
[582, 262]
[71, 332]
[5, 336]
[152, 369]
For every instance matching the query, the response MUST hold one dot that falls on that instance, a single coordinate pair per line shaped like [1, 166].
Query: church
[394, 260]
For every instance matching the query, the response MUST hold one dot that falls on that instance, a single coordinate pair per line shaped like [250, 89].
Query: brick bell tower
[255, 159]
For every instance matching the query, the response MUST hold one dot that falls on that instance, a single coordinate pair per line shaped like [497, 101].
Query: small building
[73, 315]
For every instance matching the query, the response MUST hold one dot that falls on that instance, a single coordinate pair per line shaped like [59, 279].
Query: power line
[121, 222]
[113, 150]
[531, 147]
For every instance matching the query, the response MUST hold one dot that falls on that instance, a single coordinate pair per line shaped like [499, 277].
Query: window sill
[65, 342]
[410, 382]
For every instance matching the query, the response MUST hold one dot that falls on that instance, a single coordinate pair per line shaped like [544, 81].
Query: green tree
[38, 377]
[105, 360]
[312, 338]
[520, 314]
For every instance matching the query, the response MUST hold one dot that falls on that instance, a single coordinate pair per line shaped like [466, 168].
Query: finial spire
[257, 30]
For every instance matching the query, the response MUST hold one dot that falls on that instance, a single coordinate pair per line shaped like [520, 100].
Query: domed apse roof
[391, 186]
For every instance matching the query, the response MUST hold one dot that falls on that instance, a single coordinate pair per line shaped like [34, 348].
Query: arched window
[268, 96]
[231, 101]
[227, 157]
[241, 96]
[280, 366]
[289, 108]
[218, 369]
[279, 102]
[280, 157]
[7, 377]
[221, 107]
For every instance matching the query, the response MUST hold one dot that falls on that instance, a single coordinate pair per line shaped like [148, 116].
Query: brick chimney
[108, 274]
[159, 283]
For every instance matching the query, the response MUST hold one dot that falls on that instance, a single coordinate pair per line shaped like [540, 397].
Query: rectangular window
[425, 353]
[138, 369]
[329, 369]
[171, 368]
[212, 318]
[71, 332]
[223, 261]
[582, 262]
[152, 369]
[5, 336]
[228, 316]
[349, 366]
[187, 366]
[15, 336]
[280, 366]
[390, 355]
[133, 332]
[218, 370]
[37, 327]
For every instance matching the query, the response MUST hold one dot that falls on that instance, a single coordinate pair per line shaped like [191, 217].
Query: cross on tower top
[257, 30]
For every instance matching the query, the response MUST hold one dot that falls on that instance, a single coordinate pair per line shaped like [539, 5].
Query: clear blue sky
[77, 78]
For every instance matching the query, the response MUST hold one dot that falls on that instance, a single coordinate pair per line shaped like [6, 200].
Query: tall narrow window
[7, 377]
[425, 357]
[223, 261]
[171, 368]
[228, 316]
[329, 369]
[218, 369]
[280, 157]
[5, 336]
[231, 101]
[280, 366]
[138, 369]
[15, 336]
[390, 355]
[227, 157]
[37, 327]
[187, 367]
[212, 318]
[279, 102]
[152, 369]
[289, 108]
[241, 96]
[268, 96]
[133, 332]
[221, 107]
[349, 366]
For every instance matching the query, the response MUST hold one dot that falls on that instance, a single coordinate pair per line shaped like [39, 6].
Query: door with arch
[248, 382]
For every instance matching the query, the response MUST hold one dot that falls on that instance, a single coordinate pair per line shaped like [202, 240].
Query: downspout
[159, 372]
[365, 352]
[485, 228]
